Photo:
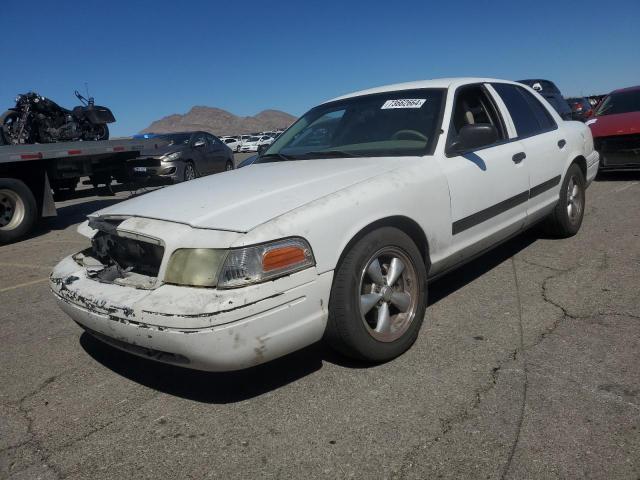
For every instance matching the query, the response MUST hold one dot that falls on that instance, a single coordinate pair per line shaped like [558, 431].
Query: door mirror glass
[472, 137]
[262, 148]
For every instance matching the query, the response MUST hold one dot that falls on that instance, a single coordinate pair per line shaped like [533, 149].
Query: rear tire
[105, 133]
[566, 218]
[18, 210]
[375, 313]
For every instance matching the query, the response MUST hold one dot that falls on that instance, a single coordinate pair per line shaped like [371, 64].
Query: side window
[199, 140]
[473, 106]
[521, 112]
[545, 120]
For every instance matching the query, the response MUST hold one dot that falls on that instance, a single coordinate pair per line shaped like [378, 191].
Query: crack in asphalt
[525, 382]
[44, 452]
[32, 439]
[466, 413]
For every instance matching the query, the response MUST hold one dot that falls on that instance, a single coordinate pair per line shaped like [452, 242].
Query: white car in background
[334, 232]
[252, 144]
[232, 142]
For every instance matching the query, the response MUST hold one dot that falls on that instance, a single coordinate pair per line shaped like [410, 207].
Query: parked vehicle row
[335, 230]
[250, 143]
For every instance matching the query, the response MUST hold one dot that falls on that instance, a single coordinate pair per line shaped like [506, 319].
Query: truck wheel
[18, 211]
[378, 298]
[566, 218]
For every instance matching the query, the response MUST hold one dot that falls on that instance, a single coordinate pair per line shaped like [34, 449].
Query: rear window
[520, 110]
[545, 120]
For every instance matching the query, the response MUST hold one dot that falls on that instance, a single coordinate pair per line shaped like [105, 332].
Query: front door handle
[562, 143]
[518, 157]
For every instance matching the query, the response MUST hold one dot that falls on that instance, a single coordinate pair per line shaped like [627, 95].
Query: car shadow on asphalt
[208, 387]
[230, 387]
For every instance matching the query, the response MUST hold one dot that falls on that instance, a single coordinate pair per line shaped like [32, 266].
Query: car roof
[628, 89]
[434, 83]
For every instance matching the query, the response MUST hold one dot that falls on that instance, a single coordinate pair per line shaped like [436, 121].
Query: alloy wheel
[574, 200]
[189, 172]
[388, 294]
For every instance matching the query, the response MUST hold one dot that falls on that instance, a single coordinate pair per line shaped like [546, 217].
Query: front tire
[566, 218]
[189, 172]
[378, 298]
[18, 210]
[228, 166]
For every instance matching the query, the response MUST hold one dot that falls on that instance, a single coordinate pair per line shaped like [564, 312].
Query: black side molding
[501, 207]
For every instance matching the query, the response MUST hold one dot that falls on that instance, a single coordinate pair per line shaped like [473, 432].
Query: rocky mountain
[220, 122]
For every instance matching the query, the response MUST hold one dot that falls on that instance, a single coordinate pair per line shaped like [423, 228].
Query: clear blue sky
[147, 59]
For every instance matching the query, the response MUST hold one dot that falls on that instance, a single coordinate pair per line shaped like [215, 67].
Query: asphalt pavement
[527, 366]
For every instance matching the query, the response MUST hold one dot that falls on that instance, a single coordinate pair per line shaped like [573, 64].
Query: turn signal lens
[282, 257]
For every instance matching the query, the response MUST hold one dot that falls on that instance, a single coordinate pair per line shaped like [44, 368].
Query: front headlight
[171, 156]
[202, 267]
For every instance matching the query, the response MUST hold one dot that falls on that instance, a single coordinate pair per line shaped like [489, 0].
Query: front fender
[418, 191]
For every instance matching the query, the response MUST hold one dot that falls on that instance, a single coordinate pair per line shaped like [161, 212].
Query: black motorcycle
[36, 119]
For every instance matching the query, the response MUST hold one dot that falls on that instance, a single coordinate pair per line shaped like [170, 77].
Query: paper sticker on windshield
[404, 103]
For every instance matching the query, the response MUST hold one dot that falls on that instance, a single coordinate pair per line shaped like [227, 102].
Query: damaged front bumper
[200, 328]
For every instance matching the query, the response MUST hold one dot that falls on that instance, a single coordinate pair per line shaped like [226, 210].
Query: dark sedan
[187, 155]
[551, 94]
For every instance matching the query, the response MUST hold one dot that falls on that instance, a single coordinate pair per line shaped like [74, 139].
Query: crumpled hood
[616, 124]
[240, 200]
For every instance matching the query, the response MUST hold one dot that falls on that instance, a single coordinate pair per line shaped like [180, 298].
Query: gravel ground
[526, 367]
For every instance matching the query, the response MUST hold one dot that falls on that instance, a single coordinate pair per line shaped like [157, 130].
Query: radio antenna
[86, 88]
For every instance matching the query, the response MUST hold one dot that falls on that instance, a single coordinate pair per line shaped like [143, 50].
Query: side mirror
[472, 137]
[199, 143]
[262, 148]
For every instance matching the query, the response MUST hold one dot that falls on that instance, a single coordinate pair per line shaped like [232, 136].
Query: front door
[489, 186]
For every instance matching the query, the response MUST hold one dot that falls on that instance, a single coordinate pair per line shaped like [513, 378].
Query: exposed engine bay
[116, 258]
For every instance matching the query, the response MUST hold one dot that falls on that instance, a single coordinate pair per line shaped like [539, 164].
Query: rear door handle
[562, 143]
[518, 157]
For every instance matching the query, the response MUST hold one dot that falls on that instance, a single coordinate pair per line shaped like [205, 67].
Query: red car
[616, 129]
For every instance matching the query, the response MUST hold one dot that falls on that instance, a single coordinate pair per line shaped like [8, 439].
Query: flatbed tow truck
[30, 174]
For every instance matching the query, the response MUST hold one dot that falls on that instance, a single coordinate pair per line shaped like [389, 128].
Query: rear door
[199, 153]
[544, 145]
[219, 153]
[488, 186]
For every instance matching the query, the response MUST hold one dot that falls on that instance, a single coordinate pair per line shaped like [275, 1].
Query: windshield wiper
[275, 156]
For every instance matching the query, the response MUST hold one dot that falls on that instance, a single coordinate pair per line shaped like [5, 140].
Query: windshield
[253, 139]
[177, 138]
[622, 102]
[400, 123]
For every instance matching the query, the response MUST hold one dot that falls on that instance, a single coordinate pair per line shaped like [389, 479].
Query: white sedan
[252, 144]
[233, 143]
[336, 230]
